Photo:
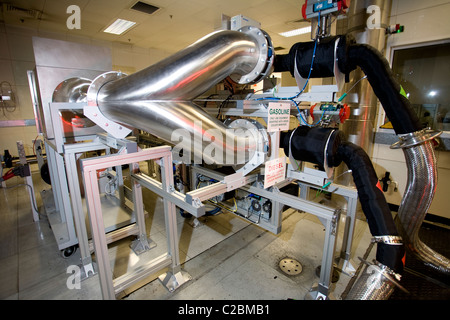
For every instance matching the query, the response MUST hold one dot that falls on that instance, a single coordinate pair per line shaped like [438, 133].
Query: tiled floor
[227, 257]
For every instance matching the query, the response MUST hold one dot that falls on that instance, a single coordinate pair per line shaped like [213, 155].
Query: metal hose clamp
[391, 240]
[415, 138]
[386, 272]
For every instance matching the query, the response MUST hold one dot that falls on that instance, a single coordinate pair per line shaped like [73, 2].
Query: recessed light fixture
[432, 93]
[119, 26]
[296, 32]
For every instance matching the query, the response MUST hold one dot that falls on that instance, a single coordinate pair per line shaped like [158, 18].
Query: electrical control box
[311, 8]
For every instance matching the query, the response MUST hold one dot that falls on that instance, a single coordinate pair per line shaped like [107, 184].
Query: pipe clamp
[391, 240]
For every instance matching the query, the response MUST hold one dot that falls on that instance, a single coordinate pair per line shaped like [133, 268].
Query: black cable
[32, 195]
[224, 102]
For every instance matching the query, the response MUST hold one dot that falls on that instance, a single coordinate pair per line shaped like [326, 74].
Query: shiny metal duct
[375, 283]
[73, 90]
[421, 186]
[159, 98]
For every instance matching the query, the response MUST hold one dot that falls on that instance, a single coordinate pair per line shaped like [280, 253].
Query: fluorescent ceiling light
[119, 26]
[296, 32]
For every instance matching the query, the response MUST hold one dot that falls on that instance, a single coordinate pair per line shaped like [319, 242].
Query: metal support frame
[111, 287]
[66, 212]
[328, 216]
[59, 212]
[350, 194]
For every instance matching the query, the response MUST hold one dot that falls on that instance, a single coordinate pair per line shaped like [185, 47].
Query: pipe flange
[92, 111]
[99, 82]
[415, 138]
[262, 142]
[265, 60]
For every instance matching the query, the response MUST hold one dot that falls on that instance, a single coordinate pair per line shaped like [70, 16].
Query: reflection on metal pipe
[159, 98]
[73, 90]
[422, 179]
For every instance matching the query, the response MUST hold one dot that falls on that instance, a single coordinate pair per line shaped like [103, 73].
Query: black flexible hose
[350, 56]
[313, 145]
[373, 203]
[386, 88]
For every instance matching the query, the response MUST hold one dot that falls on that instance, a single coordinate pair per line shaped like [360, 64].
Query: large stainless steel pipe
[159, 98]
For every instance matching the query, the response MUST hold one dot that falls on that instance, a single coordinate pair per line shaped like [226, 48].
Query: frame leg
[142, 242]
[322, 289]
[346, 265]
[99, 237]
[175, 277]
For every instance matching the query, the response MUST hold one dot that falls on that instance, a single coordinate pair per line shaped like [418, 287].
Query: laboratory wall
[16, 57]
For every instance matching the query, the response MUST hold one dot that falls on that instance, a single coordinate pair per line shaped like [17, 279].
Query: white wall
[424, 21]
[16, 57]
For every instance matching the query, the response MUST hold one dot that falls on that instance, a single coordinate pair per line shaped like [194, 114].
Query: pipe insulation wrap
[373, 203]
[350, 56]
[386, 88]
[306, 144]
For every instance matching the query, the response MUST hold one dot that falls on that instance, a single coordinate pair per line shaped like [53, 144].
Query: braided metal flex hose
[422, 179]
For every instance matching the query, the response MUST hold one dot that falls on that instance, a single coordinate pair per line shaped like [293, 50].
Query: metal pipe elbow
[246, 56]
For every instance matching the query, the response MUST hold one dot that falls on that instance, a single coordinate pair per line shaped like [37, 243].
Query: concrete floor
[227, 257]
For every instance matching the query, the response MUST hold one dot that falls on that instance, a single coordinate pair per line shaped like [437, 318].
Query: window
[424, 74]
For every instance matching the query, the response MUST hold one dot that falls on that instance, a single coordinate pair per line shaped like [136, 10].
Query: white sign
[275, 171]
[279, 116]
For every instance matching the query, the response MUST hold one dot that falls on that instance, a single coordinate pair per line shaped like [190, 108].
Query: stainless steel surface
[413, 139]
[185, 123]
[36, 101]
[374, 283]
[58, 60]
[421, 186]
[73, 90]
[192, 71]
[158, 98]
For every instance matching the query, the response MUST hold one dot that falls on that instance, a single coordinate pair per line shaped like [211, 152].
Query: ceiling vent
[144, 7]
[22, 12]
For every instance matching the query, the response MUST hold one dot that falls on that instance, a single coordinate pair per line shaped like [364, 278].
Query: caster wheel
[67, 252]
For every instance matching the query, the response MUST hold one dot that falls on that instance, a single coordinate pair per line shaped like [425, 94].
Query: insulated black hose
[350, 56]
[316, 144]
[373, 203]
[386, 88]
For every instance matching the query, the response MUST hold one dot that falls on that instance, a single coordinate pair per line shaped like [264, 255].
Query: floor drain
[290, 266]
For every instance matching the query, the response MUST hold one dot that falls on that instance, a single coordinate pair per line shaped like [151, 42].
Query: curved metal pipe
[73, 90]
[187, 126]
[158, 99]
[421, 186]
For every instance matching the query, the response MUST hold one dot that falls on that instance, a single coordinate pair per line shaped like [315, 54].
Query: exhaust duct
[415, 142]
[158, 99]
